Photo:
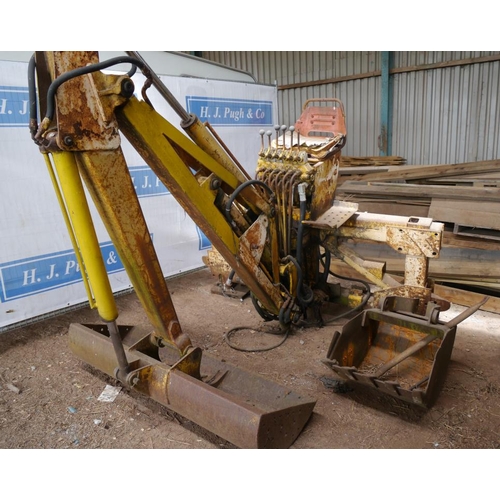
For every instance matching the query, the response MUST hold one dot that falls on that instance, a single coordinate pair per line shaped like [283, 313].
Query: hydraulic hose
[91, 68]
[239, 189]
[303, 301]
[301, 188]
[33, 123]
[51, 92]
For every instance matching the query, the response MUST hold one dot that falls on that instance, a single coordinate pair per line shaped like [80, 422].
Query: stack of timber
[475, 186]
[366, 161]
[465, 197]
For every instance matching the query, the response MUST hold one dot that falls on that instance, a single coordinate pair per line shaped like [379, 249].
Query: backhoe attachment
[277, 232]
[84, 111]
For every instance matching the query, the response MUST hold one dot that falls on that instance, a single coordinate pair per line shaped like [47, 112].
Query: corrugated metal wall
[449, 114]
[445, 104]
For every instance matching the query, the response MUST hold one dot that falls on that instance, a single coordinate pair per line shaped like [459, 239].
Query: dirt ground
[50, 400]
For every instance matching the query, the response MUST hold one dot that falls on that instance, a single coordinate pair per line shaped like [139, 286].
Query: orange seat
[321, 121]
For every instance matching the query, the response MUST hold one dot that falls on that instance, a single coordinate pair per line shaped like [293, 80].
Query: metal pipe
[465, 314]
[161, 88]
[121, 357]
[405, 354]
[385, 106]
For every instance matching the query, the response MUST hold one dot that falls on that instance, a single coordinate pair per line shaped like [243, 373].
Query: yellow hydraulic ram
[76, 212]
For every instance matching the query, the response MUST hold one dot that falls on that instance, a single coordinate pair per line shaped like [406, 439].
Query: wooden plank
[359, 161]
[491, 178]
[391, 207]
[478, 204]
[454, 295]
[384, 189]
[457, 241]
[477, 213]
[344, 270]
[347, 171]
[467, 298]
[431, 171]
[452, 263]
[477, 232]
[493, 288]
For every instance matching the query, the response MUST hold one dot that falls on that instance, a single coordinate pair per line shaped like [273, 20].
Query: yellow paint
[69, 227]
[85, 238]
[151, 131]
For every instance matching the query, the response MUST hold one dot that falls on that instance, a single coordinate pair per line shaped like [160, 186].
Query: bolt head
[127, 88]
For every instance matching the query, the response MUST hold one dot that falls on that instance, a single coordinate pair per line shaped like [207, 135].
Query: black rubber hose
[303, 301]
[300, 232]
[265, 315]
[326, 267]
[230, 333]
[33, 124]
[239, 189]
[51, 93]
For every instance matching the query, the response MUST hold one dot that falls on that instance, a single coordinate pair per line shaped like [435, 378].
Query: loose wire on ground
[230, 333]
[286, 329]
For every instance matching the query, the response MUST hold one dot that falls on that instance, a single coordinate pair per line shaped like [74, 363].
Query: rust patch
[83, 122]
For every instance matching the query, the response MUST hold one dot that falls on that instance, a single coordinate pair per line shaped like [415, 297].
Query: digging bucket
[243, 408]
[397, 353]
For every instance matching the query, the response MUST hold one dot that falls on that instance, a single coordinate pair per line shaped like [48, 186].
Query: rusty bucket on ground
[396, 351]
[245, 409]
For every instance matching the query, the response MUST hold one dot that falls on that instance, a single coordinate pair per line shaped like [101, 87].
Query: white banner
[38, 269]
